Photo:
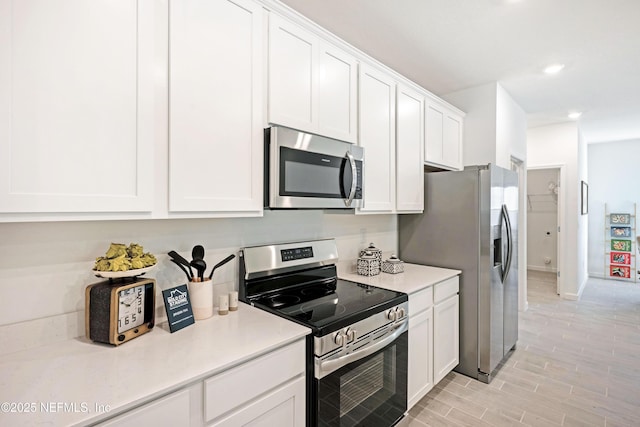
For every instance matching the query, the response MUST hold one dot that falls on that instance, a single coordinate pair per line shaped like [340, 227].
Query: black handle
[221, 263]
[178, 258]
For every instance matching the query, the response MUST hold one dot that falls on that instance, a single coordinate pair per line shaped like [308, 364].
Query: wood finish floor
[577, 363]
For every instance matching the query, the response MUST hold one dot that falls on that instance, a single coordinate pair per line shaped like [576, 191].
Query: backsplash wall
[45, 267]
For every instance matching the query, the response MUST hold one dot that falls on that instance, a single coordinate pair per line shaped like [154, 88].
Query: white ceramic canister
[201, 295]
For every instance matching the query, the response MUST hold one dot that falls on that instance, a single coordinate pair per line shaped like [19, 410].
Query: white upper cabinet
[443, 142]
[377, 102]
[338, 94]
[312, 84]
[409, 151]
[215, 106]
[76, 106]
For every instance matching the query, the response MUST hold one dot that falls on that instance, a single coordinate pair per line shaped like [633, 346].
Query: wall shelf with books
[620, 244]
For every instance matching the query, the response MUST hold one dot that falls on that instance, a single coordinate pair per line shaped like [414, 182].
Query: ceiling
[449, 45]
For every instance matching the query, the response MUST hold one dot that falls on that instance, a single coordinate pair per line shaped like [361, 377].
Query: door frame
[561, 243]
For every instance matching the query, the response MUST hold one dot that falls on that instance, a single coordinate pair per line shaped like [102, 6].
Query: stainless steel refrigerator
[470, 223]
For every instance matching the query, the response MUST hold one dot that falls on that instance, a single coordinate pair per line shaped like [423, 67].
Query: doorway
[544, 213]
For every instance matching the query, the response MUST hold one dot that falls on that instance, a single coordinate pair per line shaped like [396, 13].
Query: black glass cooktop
[331, 305]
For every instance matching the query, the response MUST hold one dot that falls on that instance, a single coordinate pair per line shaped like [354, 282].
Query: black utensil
[197, 252]
[181, 268]
[176, 256]
[200, 265]
[221, 263]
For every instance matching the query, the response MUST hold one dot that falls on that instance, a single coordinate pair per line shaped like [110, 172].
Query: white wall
[614, 178]
[511, 129]
[479, 104]
[542, 223]
[46, 266]
[557, 145]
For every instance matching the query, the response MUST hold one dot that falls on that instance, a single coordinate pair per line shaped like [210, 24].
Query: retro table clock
[119, 310]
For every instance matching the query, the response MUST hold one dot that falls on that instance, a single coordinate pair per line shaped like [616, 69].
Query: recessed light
[554, 69]
[575, 115]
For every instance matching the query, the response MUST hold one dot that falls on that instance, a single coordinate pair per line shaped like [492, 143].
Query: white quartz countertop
[414, 278]
[88, 377]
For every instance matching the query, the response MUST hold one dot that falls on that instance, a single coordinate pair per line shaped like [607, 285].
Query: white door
[215, 107]
[77, 82]
[377, 136]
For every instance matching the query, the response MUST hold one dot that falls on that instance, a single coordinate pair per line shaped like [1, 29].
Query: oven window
[368, 392]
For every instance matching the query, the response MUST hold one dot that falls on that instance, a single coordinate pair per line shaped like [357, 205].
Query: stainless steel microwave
[306, 171]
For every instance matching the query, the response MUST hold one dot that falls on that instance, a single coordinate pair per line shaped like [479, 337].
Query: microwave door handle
[354, 179]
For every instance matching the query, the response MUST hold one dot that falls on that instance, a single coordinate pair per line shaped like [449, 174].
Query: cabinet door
[77, 83]
[337, 92]
[215, 109]
[377, 137]
[172, 410]
[409, 151]
[443, 141]
[452, 141]
[446, 335]
[283, 407]
[433, 150]
[292, 75]
[420, 379]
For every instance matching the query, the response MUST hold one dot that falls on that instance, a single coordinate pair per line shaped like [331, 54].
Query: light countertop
[85, 375]
[414, 278]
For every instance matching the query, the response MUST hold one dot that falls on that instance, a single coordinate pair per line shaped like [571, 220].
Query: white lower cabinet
[171, 410]
[265, 391]
[420, 379]
[283, 407]
[446, 328]
[433, 337]
[237, 392]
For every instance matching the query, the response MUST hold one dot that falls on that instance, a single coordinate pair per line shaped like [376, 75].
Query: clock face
[130, 308]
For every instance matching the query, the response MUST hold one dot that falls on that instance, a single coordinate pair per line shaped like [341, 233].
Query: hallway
[577, 363]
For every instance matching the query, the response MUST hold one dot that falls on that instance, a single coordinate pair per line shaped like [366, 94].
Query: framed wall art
[584, 198]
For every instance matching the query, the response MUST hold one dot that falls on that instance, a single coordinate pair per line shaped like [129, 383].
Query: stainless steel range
[357, 353]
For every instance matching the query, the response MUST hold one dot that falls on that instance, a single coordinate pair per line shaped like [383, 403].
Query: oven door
[310, 171]
[369, 391]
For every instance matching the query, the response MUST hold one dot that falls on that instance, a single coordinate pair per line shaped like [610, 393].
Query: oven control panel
[296, 253]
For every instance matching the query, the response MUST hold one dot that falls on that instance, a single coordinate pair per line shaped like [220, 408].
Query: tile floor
[577, 363]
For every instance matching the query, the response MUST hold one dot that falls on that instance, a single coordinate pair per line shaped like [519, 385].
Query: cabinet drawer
[171, 410]
[444, 290]
[420, 301]
[227, 391]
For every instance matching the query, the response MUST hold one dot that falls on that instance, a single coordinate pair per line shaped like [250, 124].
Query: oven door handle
[328, 366]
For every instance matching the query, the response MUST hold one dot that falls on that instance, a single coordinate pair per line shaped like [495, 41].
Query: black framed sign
[178, 307]
[584, 198]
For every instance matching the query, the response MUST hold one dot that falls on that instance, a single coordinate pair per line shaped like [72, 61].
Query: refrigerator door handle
[507, 264]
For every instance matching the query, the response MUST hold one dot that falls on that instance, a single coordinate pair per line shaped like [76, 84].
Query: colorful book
[621, 231]
[621, 245]
[617, 218]
[620, 271]
[621, 258]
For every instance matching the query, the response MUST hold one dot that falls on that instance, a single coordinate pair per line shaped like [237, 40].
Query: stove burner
[314, 292]
[282, 300]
